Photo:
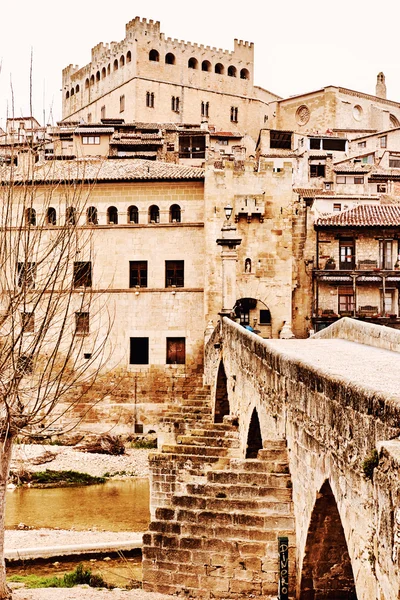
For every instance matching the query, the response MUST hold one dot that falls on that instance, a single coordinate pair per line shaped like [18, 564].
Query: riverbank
[84, 593]
[38, 457]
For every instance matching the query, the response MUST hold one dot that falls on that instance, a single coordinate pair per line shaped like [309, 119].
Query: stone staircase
[215, 530]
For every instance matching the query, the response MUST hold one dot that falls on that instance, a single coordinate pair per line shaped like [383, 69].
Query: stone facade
[141, 77]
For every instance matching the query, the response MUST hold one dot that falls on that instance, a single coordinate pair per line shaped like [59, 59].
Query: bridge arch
[221, 407]
[327, 571]
[254, 436]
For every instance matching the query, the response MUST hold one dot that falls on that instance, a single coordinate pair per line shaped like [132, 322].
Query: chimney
[380, 86]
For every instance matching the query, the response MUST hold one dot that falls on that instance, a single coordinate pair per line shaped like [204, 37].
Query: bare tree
[48, 360]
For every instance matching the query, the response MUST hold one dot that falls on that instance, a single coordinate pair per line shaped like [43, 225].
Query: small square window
[174, 273]
[265, 317]
[176, 351]
[82, 322]
[26, 274]
[82, 274]
[139, 351]
[337, 207]
[138, 273]
[28, 322]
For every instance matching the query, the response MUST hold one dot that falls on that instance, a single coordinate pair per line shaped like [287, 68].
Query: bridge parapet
[335, 401]
[354, 330]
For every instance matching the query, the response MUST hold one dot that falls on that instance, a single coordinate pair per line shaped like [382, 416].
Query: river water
[112, 506]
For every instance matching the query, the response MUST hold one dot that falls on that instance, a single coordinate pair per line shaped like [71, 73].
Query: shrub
[370, 463]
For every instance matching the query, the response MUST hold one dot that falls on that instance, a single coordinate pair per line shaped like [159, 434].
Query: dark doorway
[254, 439]
[221, 396]
[327, 572]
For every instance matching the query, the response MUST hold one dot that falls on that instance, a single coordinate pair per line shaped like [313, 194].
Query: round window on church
[302, 115]
[357, 112]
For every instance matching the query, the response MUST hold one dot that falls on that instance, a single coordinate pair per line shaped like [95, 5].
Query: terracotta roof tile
[110, 170]
[311, 192]
[365, 215]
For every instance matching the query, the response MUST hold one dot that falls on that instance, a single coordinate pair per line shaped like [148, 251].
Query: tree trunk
[5, 459]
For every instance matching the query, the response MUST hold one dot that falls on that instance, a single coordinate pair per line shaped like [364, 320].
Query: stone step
[255, 465]
[196, 450]
[272, 480]
[222, 433]
[246, 506]
[272, 454]
[275, 444]
[240, 491]
[235, 519]
[197, 440]
[181, 459]
[219, 427]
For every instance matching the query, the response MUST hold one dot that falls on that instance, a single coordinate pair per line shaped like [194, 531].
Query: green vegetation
[79, 576]
[144, 444]
[59, 478]
[370, 463]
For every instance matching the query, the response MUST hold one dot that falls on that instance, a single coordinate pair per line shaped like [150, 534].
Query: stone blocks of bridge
[215, 532]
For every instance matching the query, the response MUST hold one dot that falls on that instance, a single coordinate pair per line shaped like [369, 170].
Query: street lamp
[228, 211]
[228, 242]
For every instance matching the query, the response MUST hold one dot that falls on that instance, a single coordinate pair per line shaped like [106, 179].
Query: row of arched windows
[175, 215]
[154, 56]
[193, 63]
[117, 64]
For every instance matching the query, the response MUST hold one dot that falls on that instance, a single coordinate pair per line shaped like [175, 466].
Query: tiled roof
[92, 130]
[226, 134]
[311, 192]
[365, 215]
[352, 168]
[111, 170]
[125, 141]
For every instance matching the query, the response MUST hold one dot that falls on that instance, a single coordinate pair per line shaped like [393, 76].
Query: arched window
[91, 216]
[30, 216]
[51, 216]
[108, 69]
[128, 56]
[231, 71]
[175, 214]
[150, 99]
[244, 74]
[103, 73]
[133, 214]
[206, 65]
[193, 63]
[115, 64]
[154, 214]
[98, 76]
[219, 69]
[70, 215]
[169, 59]
[77, 89]
[122, 61]
[92, 80]
[72, 92]
[112, 215]
[86, 83]
[67, 94]
[205, 109]
[154, 56]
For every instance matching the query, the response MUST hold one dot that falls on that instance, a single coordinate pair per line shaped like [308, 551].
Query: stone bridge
[332, 405]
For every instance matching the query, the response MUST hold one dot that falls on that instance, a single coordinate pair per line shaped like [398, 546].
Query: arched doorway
[253, 313]
[327, 572]
[221, 396]
[254, 439]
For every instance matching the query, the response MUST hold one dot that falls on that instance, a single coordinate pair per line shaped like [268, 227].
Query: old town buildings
[162, 135]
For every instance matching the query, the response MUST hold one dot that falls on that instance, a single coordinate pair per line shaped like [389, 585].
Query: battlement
[142, 27]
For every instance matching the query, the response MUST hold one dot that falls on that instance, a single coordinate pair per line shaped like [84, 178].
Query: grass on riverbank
[79, 576]
[58, 478]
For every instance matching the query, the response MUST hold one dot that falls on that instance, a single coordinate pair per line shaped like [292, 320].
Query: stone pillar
[228, 243]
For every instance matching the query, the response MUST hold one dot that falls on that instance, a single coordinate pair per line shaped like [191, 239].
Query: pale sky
[300, 46]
